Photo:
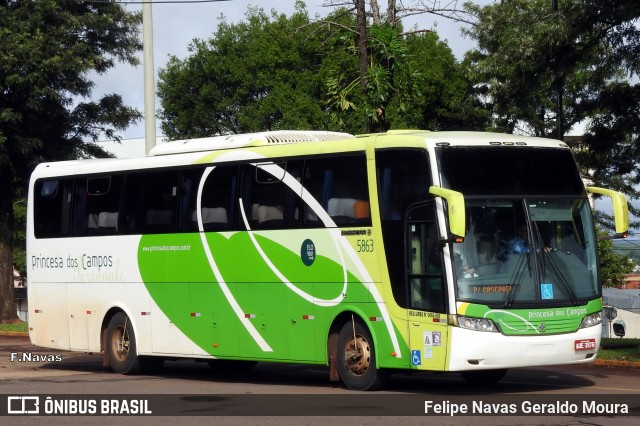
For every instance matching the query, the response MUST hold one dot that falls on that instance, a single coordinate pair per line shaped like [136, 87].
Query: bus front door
[427, 319]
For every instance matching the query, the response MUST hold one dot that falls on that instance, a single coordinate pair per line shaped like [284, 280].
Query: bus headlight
[477, 324]
[591, 320]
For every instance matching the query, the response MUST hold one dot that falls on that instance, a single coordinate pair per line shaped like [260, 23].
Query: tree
[613, 266]
[47, 49]
[254, 75]
[543, 67]
[382, 48]
[278, 72]
[526, 50]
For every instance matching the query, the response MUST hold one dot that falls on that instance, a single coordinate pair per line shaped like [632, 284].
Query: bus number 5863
[365, 246]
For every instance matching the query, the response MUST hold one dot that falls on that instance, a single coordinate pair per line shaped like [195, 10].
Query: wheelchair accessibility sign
[416, 359]
[546, 291]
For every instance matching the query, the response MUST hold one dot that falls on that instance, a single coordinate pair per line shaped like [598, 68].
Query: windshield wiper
[515, 279]
[553, 267]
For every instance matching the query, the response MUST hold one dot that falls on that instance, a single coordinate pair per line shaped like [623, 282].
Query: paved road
[271, 390]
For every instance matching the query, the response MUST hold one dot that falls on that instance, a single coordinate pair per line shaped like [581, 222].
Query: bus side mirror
[620, 210]
[456, 208]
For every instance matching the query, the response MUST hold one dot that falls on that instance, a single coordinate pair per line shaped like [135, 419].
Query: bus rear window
[52, 208]
[49, 189]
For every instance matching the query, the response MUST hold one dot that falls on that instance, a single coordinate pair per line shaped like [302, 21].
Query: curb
[598, 362]
[14, 333]
[612, 363]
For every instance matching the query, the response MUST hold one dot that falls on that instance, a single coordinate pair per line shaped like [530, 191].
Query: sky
[176, 24]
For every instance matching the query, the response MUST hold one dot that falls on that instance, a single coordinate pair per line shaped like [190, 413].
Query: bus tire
[357, 359]
[484, 377]
[121, 346]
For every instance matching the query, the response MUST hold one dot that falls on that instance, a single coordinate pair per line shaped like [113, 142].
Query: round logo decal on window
[308, 252]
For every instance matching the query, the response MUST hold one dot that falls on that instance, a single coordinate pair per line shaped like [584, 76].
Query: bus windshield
[529, 237]
[527, 251]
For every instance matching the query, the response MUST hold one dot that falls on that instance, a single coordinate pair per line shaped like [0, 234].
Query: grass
[15, 326]
[612, 349]
[615, 349]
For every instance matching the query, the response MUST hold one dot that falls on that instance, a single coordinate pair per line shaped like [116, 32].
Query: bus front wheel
[121, 346]
[357, 359]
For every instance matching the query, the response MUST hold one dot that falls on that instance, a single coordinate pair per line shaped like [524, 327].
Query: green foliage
[528, 52]
[612, 266]
[253, 75]
[339, 74]
[276, 72]
[616, 349]
[14, 327]
[47, 49]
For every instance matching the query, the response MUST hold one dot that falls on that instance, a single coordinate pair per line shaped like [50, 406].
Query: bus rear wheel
[357, 359]
[121, 346]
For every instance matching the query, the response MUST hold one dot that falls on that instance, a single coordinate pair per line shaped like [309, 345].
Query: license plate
[585, 344]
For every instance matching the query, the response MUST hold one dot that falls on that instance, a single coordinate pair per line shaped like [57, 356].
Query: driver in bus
[520, 243]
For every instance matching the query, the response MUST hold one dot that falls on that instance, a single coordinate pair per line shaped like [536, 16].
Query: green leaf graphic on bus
[181, 280]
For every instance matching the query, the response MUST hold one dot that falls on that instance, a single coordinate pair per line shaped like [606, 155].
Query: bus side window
[403, 178]
[150, 202]
[340, 186]
[189, 181]
[52, 207]
[218, 199]
[268, 202]
[97, 205]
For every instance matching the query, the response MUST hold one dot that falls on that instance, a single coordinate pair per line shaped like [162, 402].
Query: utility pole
[149, 77]
[560, 88]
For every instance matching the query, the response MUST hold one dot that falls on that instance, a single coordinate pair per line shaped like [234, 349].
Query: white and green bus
[408, 250]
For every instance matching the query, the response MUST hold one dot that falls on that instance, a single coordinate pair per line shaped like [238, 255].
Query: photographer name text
[525, 407]
[30, 357]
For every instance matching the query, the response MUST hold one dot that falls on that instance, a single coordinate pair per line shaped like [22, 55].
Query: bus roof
[246, 140]
[466, 138]
[193, 149]
[280, 137]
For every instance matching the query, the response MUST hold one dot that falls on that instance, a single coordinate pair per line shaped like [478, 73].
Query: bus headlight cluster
[591, 320]
[478, 324]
